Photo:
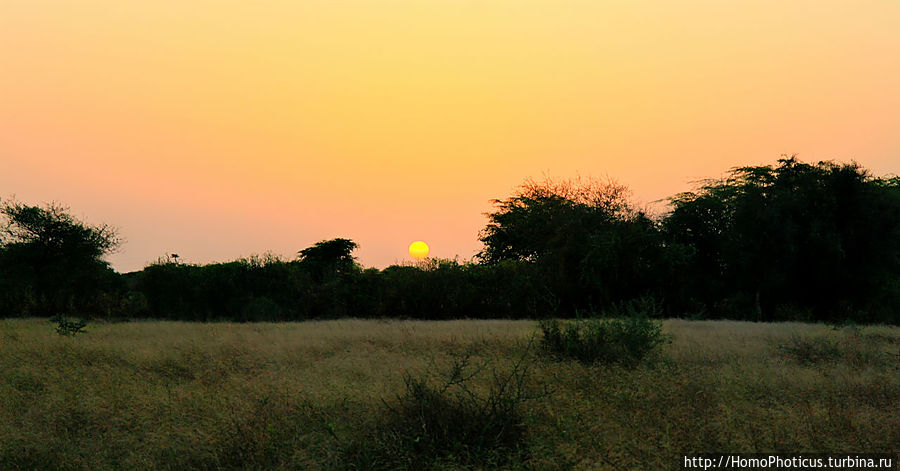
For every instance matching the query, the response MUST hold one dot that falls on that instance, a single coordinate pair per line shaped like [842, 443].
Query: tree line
[789, 241]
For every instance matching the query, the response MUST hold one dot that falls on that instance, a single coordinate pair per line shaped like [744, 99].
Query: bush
[441, 421]
[811, 350]
[626, 341]
[67, 327]
[850, 346]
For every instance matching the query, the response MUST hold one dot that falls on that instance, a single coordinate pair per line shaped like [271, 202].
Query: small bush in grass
[850, 347]
[441, 421]
[626, 341]
[68, 328]
[810, 350]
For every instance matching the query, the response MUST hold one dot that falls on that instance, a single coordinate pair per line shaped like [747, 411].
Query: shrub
[67, 327]
[850, 346]
[810, 350]
[626, 341]
[442, 421]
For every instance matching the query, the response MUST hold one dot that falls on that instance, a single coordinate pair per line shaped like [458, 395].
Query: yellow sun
[418, 249]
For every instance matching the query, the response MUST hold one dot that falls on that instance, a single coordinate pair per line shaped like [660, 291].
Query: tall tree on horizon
[51, 263]
[823, 237]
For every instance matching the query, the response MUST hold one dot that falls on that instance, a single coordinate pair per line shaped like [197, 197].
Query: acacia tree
[820, 237]
[51, 263]
[591, 246]
[330, 257]
[338, 250]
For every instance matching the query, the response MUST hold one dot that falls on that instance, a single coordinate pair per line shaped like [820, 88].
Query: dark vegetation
[626, 341]
[68, 327]
[51, 264]
[791, 241]
[444, 420]
[852, 348]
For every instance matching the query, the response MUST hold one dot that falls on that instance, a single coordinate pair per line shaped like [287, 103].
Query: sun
[418, 249]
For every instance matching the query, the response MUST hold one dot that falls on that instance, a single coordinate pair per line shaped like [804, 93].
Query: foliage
[443, 420]
[811, 350]
[590, 245]
[790, 241]
[68, 328]
[55, 231]
[255, 289]
[545, 218]
[824, 237]
[280, 290]
[52, 263]
[848, 345]
[626, 341]
[330, 258]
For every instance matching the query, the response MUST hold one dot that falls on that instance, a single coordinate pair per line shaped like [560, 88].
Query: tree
[591, 245]
[543, 218]
[330, 258]
[815, 236]
[52, 262]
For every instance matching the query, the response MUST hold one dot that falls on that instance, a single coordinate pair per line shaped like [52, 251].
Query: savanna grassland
[321, 394]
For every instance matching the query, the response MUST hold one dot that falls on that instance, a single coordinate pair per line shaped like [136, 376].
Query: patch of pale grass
[175, 395]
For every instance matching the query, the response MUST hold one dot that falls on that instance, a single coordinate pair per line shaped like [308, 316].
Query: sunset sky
[219, 129]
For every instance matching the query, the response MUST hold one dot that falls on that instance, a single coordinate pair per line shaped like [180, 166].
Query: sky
[220, 129]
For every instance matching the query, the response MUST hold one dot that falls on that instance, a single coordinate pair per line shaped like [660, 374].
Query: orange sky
[218, 129]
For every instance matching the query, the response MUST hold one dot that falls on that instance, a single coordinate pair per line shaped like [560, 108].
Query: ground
[173, 395]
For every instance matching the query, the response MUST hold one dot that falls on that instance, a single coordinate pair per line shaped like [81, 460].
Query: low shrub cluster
[269, 289]
[626, 341]
[67, 327]
[810, 350]
[446, 421]
[849, 346]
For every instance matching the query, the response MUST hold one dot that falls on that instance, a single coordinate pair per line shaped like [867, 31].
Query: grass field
[171, 395]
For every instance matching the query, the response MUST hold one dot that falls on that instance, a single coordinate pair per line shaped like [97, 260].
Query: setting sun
[418, 250]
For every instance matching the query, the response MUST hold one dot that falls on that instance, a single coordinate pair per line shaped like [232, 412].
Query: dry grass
[171, 395]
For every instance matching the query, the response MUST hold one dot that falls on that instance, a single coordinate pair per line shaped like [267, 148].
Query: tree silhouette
[821, 237]
[53, 261]
[329, 258]
[591, 245]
